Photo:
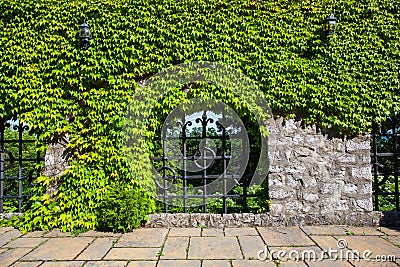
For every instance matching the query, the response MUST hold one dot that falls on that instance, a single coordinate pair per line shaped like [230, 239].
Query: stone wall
[169, 220]
[314, 174]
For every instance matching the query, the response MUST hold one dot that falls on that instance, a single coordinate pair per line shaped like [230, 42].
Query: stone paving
[205, 247]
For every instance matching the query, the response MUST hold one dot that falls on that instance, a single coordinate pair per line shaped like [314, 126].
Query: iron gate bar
[391, 133]
[19, 160]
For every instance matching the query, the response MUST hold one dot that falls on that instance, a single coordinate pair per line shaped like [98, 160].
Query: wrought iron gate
[385, 164]
[18, 164]
[211, 160]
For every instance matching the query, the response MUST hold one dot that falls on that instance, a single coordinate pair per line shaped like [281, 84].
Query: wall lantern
[84, 34]
[330, 24]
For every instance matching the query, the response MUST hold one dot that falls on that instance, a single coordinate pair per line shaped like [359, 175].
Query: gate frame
[15, 159]
[394, 122]
[242, 181]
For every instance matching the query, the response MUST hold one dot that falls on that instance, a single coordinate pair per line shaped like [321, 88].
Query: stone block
[292, 182]
[309, 182]
[280, 194]
[366, 189]
[363, 172]
[275, 180]
[306, 209]
[276, 168]
[350, 189]
[293, 206]
[341, 205]
[357, 145]
[365, 204]
[330, 188]
[346, 159]
[310, 197]
[277, 208]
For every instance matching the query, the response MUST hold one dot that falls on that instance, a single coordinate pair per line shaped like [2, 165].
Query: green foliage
[343, 81]
[124, 209]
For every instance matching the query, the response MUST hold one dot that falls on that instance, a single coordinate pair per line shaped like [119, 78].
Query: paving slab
[241, 231]
[252, 263]
[5, 229]
[250, 246]
[214, 248]
[35, 234]
[142, 264]
[351, 230]
[292, 264]
[58, 233]
[132, 254]
[184, 232]
[12, 255]
[27, 264]
[8, 236]
[97, 249]
[175, 248]
[3, 250]
[59, 249]
[179, 263]
[296, 253]
[106, 264]
[377, 245]
[27, 242]
[324, 230]
[62, 264]
[390, 230]
[212, 232]
[363, 263]
[330, 244]
[329, 263]
[208, 246]
[145, 237]
[92, 233]
[284, 236]
[394, 239]
[216, 263]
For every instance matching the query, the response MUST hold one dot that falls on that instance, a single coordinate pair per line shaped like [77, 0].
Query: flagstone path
[205, 247]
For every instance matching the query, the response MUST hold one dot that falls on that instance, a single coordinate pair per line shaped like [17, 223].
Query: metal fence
[187, 188]
[385, 145]
[18, 164]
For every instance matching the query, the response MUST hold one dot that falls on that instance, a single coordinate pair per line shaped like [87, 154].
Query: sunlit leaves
[343, 81]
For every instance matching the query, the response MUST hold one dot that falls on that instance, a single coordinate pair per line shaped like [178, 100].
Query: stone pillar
[55, 163]
[316, 176]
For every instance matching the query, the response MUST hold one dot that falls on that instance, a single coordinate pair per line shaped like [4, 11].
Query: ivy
[345, 81]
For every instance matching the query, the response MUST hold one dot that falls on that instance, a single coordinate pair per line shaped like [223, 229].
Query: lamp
[84, 34]
[330, 24]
